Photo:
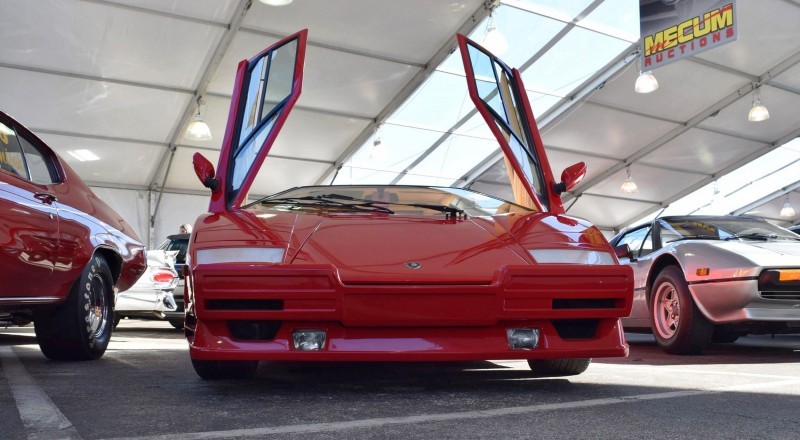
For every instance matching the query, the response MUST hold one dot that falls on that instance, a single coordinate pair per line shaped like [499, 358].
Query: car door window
[11, 159]
[40, 166]
[640, 241]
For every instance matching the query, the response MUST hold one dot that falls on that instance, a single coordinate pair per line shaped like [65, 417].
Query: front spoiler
[407, 322]
[411, 344]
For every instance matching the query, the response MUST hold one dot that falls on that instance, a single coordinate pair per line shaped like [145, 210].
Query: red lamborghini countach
[63, 252]
[395, 273]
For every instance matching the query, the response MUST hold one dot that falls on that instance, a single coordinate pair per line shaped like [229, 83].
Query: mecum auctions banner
[676, 29]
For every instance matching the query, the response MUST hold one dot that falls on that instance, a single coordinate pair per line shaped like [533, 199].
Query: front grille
[795, 296]
[244, 304]
[584, 303]
[254, 330]
[576, 328]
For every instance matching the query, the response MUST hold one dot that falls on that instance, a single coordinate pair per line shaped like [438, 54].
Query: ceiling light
[629, 186]
[198, 130]
[646, 82]
[276, 2]
[83, 155]
[379, 150]
[494, 41]
[758, 112]
[787, 210]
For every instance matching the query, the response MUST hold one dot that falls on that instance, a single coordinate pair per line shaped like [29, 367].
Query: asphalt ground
[145, 387]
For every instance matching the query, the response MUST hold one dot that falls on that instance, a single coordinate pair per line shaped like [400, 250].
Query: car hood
[766, 253]
[396, 249]
[370, 250]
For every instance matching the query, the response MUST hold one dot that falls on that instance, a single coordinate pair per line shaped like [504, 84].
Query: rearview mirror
[623, 251]
[571, 177]
[205, 172]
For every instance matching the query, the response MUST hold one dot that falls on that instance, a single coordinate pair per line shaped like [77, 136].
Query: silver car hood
[765, 253]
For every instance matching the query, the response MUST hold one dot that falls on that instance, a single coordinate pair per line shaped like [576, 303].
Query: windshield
[390, 199]
[723, 228]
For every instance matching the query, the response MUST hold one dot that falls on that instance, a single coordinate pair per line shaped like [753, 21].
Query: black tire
[558, 367]
[117, 319]
[725, 336]
[177, 323]
[678, 325]
[80, 328]
[215, 370]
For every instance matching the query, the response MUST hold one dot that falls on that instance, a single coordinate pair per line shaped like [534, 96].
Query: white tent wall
[132, 205]
[175, 210]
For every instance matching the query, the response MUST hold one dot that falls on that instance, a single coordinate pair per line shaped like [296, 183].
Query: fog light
[309, 340]
[522, 338]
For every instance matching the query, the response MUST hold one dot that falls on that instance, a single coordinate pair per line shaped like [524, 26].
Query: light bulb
[629, 186]
[276, 2]
[787, 210]
[379, 150]
[646, 82]
[758, 112]
[198, 130]
[494, 41]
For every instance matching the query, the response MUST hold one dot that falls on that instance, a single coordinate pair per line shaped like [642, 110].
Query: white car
[702, 279]
[151, 297]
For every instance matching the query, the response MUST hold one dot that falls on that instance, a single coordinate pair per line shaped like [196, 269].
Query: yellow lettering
[682, 34]
[671, 37]
[722, 18]
[653, 43]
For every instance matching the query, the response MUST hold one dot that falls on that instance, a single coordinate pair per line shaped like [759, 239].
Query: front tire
[80, 328]
[558, 367]
[678, 325]
[215, 370]
[176, 323]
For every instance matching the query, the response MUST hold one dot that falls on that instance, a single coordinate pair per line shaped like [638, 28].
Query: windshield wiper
[324, 200]
[446, 209]
[692, 237]
[752, 236]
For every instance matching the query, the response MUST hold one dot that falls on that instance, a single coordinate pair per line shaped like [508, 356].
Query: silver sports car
[702, 279]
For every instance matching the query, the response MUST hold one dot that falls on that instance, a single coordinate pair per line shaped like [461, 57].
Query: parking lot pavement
[145, 387]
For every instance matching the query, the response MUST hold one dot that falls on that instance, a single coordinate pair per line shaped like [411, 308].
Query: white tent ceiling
[121, 78]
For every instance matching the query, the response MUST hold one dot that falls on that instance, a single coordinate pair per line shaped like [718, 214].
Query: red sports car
[63, 252]
[395, 273]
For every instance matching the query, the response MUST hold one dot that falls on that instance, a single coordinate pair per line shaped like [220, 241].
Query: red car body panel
[398, 286]
[48, 233]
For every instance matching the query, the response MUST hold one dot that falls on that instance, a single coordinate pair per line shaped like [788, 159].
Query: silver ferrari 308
[702, 279]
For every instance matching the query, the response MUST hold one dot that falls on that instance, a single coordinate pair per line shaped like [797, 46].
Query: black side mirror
[623, 251]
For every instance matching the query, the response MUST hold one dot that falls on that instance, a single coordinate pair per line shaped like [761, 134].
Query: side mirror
[205, 172]
[571, 177]
[623, 251]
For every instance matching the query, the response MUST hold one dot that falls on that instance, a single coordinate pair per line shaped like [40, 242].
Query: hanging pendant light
[629, 186]
[646, 82]
[787, 210]
[276, 2]
[493, 40]
[197, 129]
[758, 112]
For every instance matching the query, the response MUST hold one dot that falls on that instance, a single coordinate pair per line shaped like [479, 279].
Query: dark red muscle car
[63, 252]
[395, 273]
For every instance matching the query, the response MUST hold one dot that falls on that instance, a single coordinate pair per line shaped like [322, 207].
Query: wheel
[79, 328]
[177, 323]
[214, 370]
[725, 336]
[558, 367]
[117, 319]
[677, 323]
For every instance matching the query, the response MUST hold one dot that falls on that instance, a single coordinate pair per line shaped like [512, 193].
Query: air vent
[244, 304]
[576, 328]
[584, 303]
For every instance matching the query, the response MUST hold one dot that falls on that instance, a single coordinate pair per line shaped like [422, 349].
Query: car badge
[413, 265]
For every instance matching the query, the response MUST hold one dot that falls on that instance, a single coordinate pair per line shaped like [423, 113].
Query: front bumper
[576, 308]
[737, 301]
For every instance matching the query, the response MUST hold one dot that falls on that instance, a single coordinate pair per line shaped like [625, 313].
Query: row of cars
[390, 272]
